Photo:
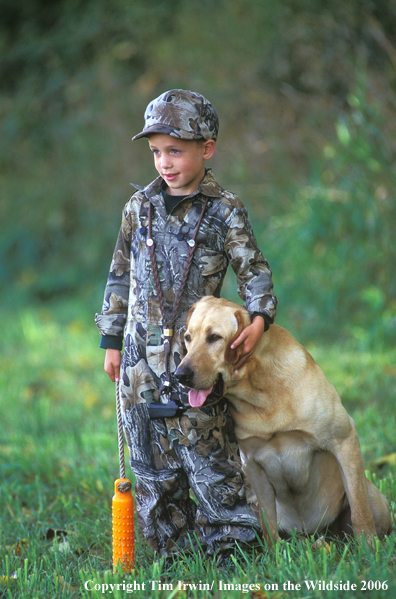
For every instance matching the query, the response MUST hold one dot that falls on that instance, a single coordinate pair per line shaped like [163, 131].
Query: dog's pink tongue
[198, 398]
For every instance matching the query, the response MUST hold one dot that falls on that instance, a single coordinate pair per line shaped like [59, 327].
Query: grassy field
[59, 460]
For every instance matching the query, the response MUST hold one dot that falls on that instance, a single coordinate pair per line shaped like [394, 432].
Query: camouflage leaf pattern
[183, 114]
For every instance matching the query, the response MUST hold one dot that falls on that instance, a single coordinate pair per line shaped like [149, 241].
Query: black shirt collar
[171, 201]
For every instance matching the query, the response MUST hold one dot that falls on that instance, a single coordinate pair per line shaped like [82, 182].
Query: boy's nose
[165, 162]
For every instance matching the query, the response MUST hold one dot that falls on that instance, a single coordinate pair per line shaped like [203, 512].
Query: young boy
[177, 237]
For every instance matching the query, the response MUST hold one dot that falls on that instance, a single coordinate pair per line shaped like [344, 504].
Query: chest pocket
[209, 262]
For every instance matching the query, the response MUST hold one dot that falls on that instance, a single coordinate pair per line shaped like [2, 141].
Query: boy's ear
[209, 148]
[232, 355]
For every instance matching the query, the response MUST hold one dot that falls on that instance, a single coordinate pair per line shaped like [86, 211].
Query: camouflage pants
[171, 457]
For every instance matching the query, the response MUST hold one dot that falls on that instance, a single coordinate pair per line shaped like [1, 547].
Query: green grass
[59, 460]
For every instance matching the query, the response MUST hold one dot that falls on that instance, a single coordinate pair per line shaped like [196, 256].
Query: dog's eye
[213, 338]
[187, 338]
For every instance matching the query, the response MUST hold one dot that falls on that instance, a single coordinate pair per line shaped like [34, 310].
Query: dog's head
[211, 327]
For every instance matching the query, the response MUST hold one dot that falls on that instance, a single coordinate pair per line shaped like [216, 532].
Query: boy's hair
[182, 114]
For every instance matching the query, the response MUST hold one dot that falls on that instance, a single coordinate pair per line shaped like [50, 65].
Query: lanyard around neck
[168, 323]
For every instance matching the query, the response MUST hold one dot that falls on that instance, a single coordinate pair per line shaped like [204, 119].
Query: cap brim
[167, 130]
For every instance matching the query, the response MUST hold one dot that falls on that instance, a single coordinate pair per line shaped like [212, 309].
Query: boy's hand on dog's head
[248, 338]
[112, 363]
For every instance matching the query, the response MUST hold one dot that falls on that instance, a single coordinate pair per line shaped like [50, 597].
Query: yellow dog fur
[300, 450]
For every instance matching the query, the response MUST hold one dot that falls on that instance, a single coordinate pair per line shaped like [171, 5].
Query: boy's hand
[112, 363]
[249, 338]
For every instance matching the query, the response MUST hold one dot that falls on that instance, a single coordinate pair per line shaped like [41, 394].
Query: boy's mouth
[169, 176]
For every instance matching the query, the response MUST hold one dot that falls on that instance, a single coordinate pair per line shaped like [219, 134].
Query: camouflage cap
[182, 114]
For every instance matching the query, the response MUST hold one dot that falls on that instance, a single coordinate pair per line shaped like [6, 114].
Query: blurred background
[305, 91]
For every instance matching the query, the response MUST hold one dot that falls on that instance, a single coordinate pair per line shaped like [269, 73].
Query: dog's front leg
[265, 494]
[348, 455]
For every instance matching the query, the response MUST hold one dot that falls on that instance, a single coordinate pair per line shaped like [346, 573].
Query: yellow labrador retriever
[300, 450]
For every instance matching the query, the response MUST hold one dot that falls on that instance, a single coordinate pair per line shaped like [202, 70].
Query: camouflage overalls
[197, 451]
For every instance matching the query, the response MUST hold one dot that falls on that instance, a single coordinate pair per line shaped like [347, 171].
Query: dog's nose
[184, 374]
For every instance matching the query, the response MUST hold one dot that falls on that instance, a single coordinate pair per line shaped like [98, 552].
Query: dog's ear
[232, 355]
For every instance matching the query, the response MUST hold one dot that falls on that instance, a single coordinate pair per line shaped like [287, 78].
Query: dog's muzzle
[185, 375]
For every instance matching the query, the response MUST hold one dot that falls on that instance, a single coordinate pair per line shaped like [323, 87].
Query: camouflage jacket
[225, 236]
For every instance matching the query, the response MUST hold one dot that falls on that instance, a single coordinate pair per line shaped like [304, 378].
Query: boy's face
[180, 162]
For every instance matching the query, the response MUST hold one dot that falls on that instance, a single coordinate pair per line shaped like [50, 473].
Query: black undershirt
[171, 201]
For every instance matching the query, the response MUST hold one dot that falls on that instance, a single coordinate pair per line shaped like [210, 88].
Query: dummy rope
[123, 487]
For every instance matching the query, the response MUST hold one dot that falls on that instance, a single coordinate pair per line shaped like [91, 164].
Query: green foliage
[60, 158]
[335, 252]
[305, 94]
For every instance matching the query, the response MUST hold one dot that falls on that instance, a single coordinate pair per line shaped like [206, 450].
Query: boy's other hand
[248, 338]
[112, 363]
